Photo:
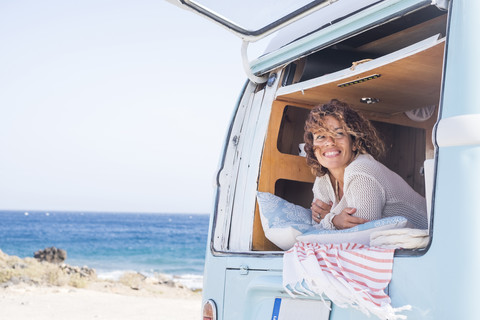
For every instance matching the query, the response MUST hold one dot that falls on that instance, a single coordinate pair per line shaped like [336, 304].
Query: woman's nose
[330, 141]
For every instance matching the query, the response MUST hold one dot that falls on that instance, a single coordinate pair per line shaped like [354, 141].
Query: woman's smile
[331, 154]
[333, 146]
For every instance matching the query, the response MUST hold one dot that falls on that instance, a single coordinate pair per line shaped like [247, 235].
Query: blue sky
[112, 105]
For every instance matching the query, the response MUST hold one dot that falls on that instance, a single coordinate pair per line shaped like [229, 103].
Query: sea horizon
[98, 211]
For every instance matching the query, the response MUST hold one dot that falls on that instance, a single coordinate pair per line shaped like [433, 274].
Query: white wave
[111, 275]
[190, 281]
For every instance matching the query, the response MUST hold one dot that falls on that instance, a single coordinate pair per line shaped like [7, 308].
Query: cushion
[282, 221]
[358, 234]
[404, 238]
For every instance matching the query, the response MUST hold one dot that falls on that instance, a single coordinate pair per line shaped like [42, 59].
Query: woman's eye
[339, 134]
[320, 138]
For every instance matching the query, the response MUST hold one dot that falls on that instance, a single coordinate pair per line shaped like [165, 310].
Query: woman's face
[333, 146]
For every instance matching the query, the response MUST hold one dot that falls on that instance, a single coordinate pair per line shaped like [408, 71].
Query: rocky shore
[25, 283]
[39, 271]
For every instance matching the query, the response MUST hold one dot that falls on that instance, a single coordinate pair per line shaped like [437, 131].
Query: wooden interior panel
[291, 130]
[297, 192]
[403, 120]
[405, 152]
[408, 83]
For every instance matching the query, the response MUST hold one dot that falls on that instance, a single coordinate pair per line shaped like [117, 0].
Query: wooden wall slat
[276, 165]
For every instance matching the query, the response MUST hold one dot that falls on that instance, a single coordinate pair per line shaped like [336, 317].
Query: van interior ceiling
[392, 74]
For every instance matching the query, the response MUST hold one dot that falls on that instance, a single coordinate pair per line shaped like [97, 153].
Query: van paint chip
[349, 83]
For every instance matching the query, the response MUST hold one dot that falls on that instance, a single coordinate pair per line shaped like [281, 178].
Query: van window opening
[410, 64]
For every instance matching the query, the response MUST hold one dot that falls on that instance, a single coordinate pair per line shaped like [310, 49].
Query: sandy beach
[40, 290]
[61, 303]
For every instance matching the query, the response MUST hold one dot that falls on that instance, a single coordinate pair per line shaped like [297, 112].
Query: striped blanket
[350, 275]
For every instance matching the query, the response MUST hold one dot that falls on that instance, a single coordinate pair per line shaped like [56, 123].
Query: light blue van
[410, 66]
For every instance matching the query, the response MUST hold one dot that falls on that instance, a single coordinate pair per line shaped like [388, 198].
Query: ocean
[113, 243]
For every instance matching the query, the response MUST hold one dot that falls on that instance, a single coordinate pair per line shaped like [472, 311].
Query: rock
[18, 280]
[52, 254]
[19, 266]
[83, 272]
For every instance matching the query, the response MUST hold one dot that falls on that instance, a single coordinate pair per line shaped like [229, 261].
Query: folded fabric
[405, 238]
[358, 234]
[350, 275]
[282, 221]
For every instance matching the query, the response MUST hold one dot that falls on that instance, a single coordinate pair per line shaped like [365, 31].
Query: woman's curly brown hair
[364, 136]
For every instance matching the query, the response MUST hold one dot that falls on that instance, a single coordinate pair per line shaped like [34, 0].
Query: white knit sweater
[375, 191]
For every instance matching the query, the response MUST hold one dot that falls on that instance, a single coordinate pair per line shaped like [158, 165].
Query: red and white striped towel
[349, 274]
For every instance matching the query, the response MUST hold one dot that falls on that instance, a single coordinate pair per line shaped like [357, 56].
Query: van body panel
[234, 275]
[258, 289]
[226, 177]
[458, 130]
[214, 282]
[451, 263]
[245, 193]
[238, 175]
[461, 86]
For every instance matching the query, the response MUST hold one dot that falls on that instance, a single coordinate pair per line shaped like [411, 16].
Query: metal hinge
[235, 140]
[243, 270]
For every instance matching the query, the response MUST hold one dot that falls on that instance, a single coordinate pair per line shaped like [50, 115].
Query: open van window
[268, 16]
[392, 75]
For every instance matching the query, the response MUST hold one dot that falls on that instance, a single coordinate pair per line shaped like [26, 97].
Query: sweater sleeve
[364, 193]
[321, 189]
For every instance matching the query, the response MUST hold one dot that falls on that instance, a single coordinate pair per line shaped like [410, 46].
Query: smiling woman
[351, 187]
[349, 128]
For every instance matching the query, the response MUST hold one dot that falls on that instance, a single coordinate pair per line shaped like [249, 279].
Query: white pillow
[359, 234]
[282, 221]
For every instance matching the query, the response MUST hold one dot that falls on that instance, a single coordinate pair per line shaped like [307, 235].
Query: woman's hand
[320, 209]
[345, 220]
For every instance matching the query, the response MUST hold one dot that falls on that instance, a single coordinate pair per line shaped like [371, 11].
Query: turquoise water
[112, 243]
